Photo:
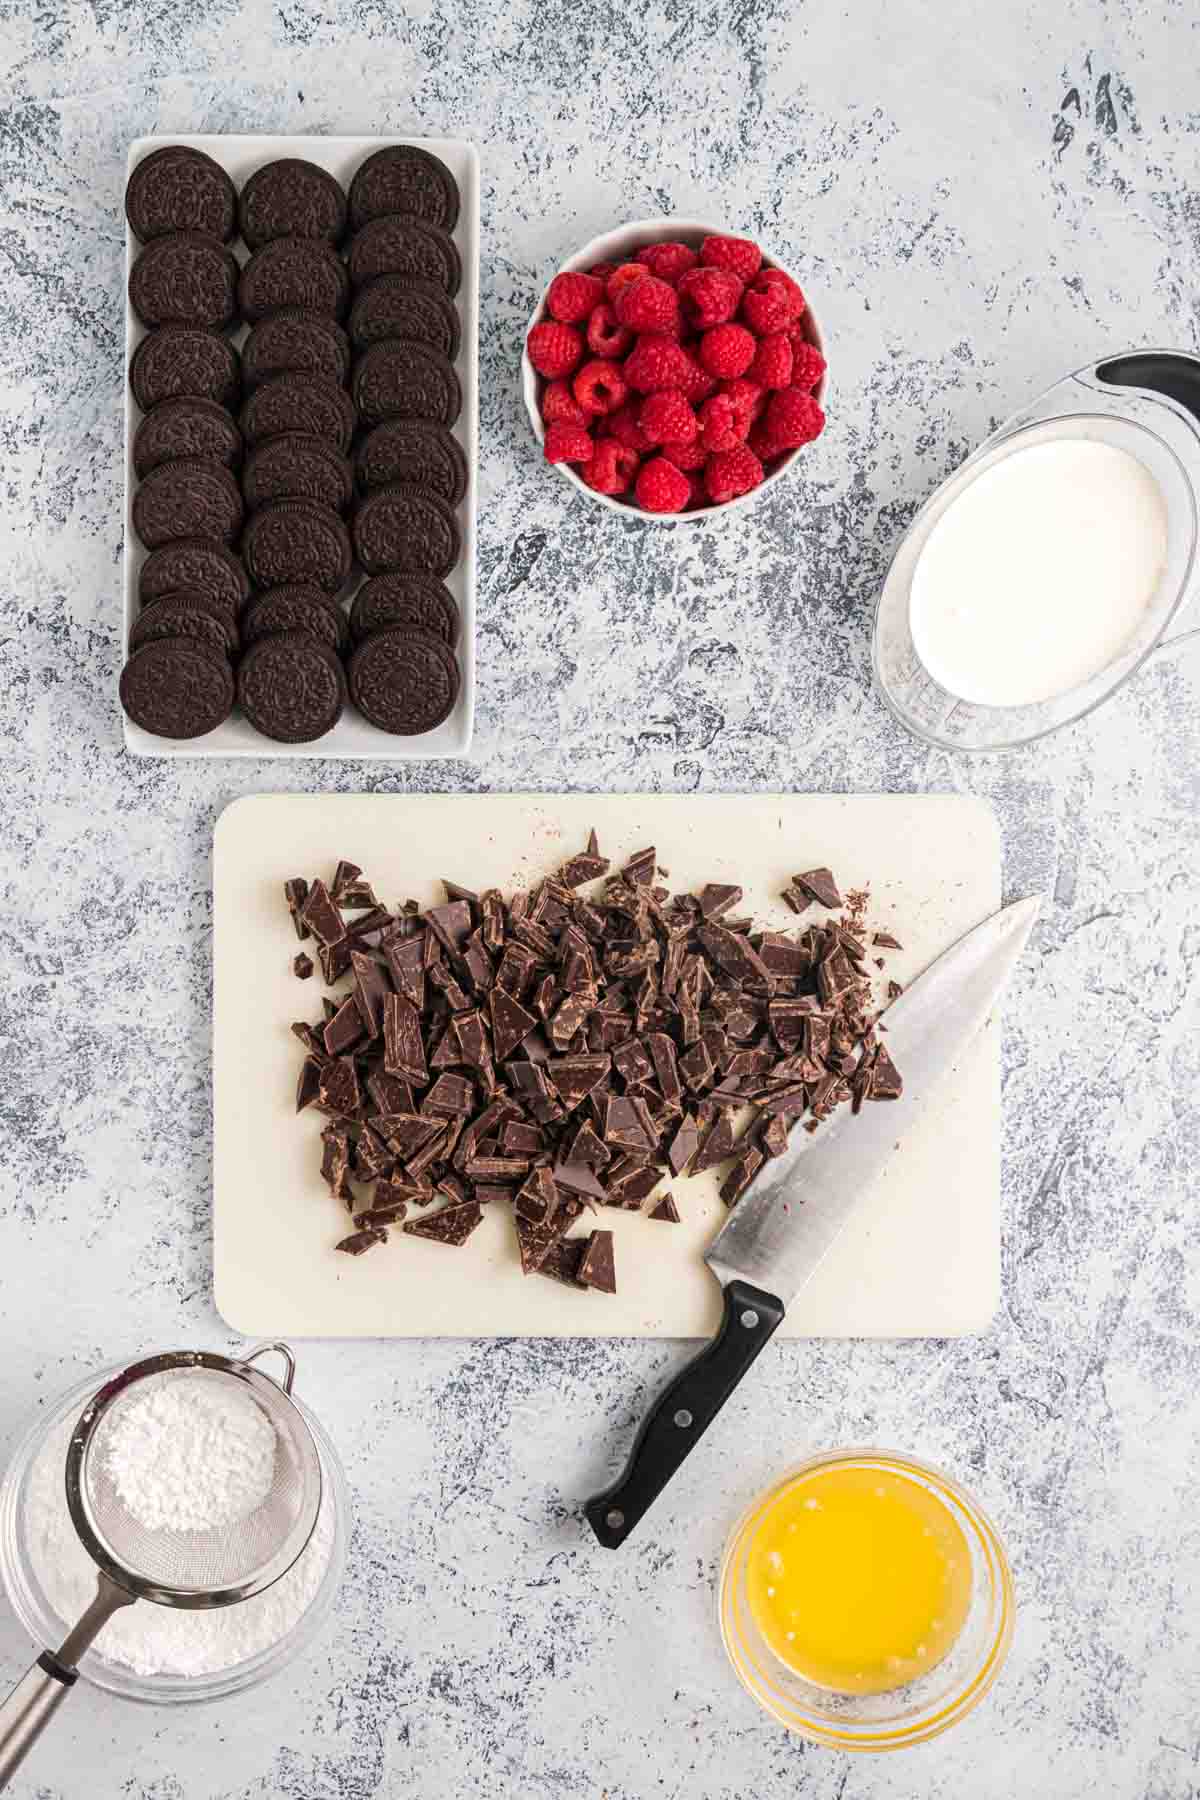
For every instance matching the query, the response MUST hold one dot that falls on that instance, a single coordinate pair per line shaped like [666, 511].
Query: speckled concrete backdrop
[980, 198]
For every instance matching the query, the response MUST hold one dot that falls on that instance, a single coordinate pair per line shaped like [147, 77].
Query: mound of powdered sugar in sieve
[157, 1640]
[190, 1452]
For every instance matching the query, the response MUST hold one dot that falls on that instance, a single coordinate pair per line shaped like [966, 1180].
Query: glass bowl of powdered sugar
[148, 1652]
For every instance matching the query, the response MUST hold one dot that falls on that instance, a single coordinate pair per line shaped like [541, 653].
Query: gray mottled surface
[978, 205]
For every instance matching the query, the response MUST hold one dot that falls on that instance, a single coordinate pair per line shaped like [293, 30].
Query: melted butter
[859, 1579]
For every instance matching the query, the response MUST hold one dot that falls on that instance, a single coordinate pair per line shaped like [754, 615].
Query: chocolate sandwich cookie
[182, 428]
[293, 541]
[291, 687]
[188, 278]
[414, 452]
[292, 198]
[187, 499]
[297, 467]
[400, 306]
[397, 380]
[184, 361]
[295, 342]
[178, 189]
[296, 608]
[403, 680]
[404, 179]
[202, 565]
[187, 614]
[401, 245]
[177, 687]
[405, 528]
[308, 404]
[292, 272]
[418, 600]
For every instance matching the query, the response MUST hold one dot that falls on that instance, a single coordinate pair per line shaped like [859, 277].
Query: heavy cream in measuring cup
[1039, 573]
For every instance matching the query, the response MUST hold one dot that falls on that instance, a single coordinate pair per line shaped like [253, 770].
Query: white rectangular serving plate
[352, 736]
[920, 1258]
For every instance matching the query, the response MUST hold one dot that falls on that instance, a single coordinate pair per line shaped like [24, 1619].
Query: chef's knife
[778, 1235]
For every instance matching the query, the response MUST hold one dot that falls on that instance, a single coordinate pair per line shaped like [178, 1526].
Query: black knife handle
[684, 1411]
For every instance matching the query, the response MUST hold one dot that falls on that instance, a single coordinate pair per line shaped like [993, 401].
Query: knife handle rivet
[749, 1319]
[614, 1519]
[683, 1418]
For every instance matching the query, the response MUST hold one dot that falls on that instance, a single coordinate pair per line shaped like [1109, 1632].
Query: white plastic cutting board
[920, 1259]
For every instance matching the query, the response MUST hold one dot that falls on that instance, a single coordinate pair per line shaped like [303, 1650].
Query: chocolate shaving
[360, 1241]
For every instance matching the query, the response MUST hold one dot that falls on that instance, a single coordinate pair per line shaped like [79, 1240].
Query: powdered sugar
[149, 1639]
[187, 1452]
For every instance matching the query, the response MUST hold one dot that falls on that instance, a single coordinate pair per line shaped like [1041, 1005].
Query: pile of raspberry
[679, 378]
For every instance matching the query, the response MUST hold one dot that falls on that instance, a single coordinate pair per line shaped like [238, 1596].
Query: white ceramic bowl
[622, 245]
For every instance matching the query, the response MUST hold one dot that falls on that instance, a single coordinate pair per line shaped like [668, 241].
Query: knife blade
[780, 1232]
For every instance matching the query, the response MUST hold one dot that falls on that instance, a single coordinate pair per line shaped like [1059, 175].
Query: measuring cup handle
[31, 1705]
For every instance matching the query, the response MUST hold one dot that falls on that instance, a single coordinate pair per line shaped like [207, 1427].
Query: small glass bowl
[911, 1714]
[44, 1626]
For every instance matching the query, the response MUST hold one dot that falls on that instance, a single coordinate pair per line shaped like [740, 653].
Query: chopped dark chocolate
[577, 1049]
[308, 1085]
[403, 1048]
[371, 984]
[666, 1209]
[360, 1241]
[820, 886]
[885, 941]
[339, 1091]
[561, 1261]
[295, 892]
[322, 916]
[716, 899]
[886, 1080]
[345, 1029]
[598, 1267]
[452, 1225]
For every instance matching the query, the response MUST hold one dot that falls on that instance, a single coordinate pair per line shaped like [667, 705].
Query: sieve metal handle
[288, 1360]
[31, 1705]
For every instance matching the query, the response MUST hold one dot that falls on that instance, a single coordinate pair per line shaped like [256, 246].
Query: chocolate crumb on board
[302, 965]
[565, 1049]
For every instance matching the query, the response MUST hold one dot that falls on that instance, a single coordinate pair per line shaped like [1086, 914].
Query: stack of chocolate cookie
[266, 628]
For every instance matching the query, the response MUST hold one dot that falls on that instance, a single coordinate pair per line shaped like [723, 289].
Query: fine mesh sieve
[194, 1568]
[191, 1569]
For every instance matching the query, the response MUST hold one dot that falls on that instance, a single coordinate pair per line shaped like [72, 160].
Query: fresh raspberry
[656, 361]
[727, 351]
[732, 472]
[604, 336]
[602, 270]
[686, 456]
[747, 399]
[666, 418]
[568, 443]
[648, 305]
[696, 383]
[709, 296]
[554, 349]
[612, 468]
[661, 487]
[772, 365]
[560, 404]
[599, 386]
[738, 255]
[621, 278]
[808, 365]
[721, 428]
[623, 425]
[793, 418]
[761, 444]
[570, 298]
[668, 261]
[771, 302]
